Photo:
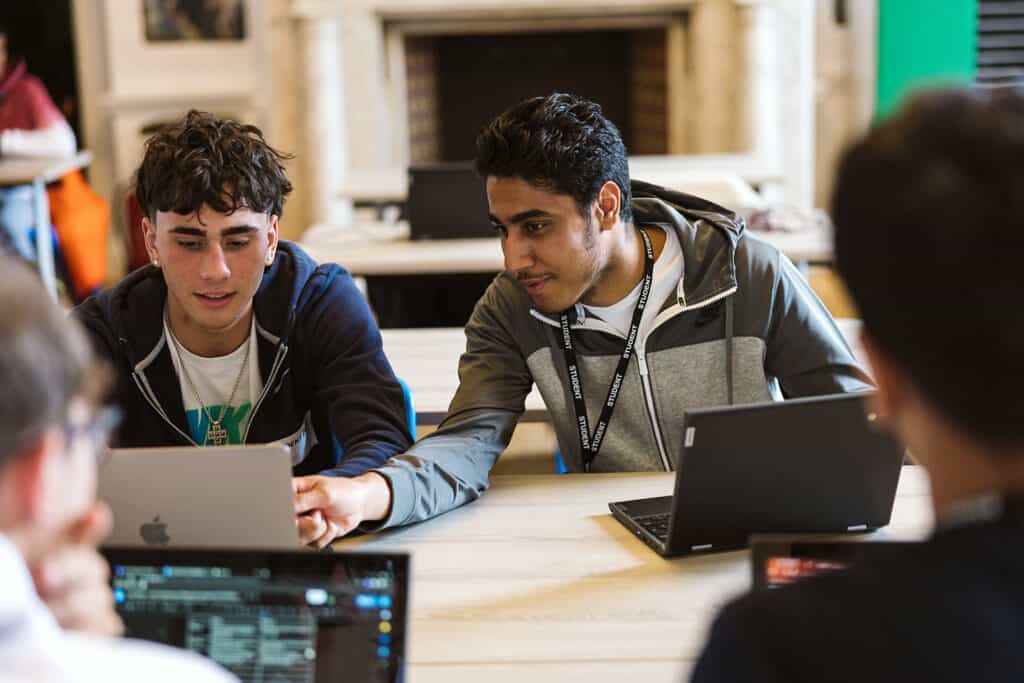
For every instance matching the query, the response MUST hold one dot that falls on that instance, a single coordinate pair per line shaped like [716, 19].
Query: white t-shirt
[33, 648]
[213, 379]
[668, 269]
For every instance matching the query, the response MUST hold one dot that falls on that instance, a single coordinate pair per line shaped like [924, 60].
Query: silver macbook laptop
[222, 497]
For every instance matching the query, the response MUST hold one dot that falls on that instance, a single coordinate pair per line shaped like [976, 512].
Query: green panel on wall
[923, 42]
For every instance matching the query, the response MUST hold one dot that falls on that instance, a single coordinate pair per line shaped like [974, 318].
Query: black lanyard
[590, 445]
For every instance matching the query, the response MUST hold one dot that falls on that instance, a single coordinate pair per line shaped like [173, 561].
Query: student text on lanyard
[590, 445]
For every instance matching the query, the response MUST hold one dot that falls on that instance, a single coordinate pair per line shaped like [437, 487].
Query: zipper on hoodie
[282, 351]
[152, 401]
[641, 356]
[147, 393]
[143, 385]
[652, 416]
[645, 380]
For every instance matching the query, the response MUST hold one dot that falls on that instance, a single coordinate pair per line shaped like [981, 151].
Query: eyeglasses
[96, 431]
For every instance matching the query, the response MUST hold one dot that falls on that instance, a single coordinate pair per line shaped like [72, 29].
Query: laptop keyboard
[656, 524]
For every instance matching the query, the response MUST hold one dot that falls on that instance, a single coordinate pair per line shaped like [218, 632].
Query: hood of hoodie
[140, 297]
[708, 234]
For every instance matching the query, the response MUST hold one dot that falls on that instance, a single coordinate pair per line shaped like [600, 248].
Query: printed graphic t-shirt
[213, 379]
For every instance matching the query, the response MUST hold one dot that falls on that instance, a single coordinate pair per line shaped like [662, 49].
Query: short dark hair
[929, 216]
[560, 143]
[203, 159]
[45, 361]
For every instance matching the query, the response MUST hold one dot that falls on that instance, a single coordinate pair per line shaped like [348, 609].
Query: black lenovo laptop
[447, 201]
[805, 465]
[270, 616]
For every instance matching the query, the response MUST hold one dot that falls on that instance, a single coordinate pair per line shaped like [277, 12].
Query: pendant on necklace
[216, 435]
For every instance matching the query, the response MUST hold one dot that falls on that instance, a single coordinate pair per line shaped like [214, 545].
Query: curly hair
[560, 143]
[203, 159]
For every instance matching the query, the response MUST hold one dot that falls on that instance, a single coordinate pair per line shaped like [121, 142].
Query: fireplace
[701, 85]
[455, 84]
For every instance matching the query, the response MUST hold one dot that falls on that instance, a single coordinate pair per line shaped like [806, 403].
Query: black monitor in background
[447, 201]
[270, 616]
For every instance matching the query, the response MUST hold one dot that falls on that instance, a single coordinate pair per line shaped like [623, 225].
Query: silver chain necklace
[216, 435]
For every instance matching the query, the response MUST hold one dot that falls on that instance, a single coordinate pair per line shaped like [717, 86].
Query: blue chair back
[410, 413]
[559, 463]
[410, 407]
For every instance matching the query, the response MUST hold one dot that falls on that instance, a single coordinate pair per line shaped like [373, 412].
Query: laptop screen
[270, 616]
[778, 560]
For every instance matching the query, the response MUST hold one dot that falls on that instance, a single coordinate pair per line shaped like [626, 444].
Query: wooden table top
[536, 581]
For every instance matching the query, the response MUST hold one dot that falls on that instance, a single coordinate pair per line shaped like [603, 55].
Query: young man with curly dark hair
[667, 302]
[232, 335]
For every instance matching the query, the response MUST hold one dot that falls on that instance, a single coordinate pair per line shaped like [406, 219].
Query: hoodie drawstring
[728, 346]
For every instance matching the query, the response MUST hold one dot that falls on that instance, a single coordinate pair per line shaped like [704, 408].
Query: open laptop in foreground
[805, 465]
[780, 559]
[220, 497]
[270, 616]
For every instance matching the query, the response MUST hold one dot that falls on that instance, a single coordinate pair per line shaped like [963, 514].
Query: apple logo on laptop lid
[155, 532]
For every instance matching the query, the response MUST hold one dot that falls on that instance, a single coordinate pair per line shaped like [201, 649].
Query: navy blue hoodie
[320, 357]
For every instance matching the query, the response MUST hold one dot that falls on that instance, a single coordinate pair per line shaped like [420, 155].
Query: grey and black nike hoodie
[743, 326]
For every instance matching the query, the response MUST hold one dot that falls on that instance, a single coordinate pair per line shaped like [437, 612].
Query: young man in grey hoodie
[625, 303]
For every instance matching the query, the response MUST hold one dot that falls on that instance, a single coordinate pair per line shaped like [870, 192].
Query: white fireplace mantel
[355, 127]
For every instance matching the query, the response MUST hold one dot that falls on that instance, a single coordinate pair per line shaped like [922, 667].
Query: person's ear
[149, 237]
[608, 205]
[889, 399]
[272, 238]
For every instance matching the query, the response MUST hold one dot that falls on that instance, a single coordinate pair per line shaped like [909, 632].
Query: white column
[863, 20]
[325, 149]
[779, 83]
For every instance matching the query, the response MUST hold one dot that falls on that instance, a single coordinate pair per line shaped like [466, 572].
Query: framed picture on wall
[190, 20]
[175, 50]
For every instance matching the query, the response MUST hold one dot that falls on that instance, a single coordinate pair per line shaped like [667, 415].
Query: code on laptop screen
[292, 617]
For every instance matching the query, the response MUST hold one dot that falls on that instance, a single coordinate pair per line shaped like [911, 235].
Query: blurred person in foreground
[57, 617]
[929, 217]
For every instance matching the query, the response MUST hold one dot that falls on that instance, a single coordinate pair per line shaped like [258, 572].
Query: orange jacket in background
[81, 218]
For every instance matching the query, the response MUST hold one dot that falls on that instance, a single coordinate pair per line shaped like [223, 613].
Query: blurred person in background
[32, 126]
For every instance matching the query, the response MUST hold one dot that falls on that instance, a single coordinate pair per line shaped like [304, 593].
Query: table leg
[44, 240]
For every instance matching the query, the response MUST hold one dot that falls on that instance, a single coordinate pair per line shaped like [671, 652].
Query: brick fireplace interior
[455, 84]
